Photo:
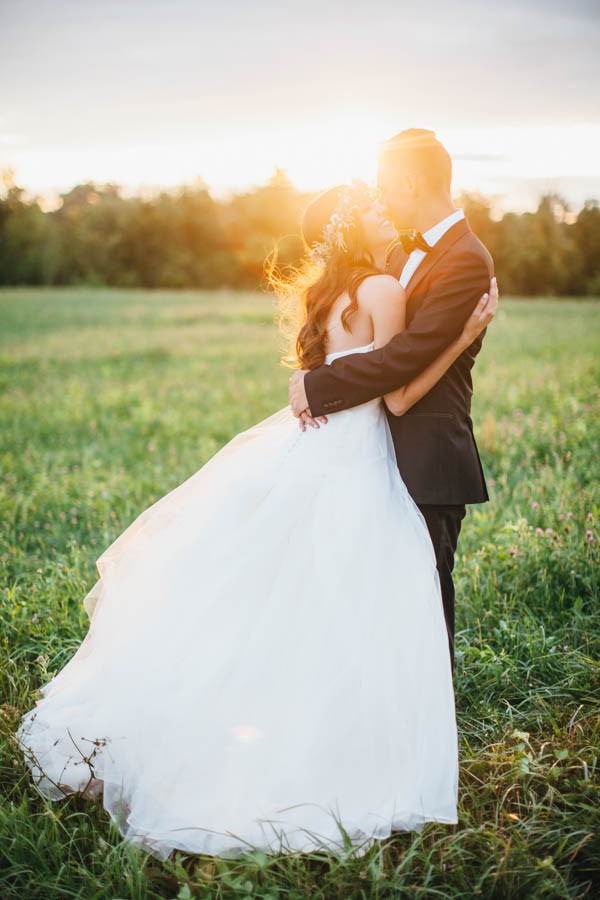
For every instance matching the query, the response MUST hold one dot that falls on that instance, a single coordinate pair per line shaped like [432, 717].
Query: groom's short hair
[418, 150]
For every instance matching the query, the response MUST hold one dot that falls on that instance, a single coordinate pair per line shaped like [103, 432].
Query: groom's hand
[299, 402]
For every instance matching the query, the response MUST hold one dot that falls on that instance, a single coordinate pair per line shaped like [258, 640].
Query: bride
[225, 700]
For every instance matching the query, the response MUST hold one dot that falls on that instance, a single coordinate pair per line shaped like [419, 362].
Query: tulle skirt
[267, 663]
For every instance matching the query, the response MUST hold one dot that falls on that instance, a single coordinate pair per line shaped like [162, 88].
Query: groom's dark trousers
[435, 447]
[444, 524]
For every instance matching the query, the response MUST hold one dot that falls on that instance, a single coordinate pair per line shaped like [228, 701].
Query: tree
[586, 235]
[185, 238]
[27, 244]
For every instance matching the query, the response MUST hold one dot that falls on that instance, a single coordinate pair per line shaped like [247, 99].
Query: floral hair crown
[343, 219]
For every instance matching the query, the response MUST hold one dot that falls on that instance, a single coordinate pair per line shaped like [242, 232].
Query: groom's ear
[411, 181]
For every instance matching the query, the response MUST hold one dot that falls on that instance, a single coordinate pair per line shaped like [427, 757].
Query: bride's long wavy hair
[307, 293]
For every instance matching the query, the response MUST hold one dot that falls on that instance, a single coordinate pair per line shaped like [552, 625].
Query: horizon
[527, 199]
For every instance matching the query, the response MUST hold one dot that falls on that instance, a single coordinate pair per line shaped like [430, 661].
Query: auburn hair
[308, 292]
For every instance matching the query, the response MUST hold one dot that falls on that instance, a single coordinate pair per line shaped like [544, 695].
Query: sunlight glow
[511, 164]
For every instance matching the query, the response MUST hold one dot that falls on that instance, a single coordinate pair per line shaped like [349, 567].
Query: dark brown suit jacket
[434, 442]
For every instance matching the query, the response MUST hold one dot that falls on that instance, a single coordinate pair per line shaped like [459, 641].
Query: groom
[445, 269]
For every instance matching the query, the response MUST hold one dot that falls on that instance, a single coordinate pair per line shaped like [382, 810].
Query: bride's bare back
[379, 316]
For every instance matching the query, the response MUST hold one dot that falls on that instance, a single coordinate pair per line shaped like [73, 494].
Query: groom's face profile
[414, 170]
[399, 190]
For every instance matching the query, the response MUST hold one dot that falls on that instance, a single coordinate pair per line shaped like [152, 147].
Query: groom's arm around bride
[441, 296]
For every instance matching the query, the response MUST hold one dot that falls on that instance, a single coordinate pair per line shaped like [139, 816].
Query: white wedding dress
[267, 658]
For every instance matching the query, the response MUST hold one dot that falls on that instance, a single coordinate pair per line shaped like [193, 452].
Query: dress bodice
[359, 431]
[337, 353]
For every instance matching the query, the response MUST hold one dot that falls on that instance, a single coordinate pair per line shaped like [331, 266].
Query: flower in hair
[342, 220]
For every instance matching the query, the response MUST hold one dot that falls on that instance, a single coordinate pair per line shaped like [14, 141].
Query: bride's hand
[305, 418]
[299, 402]
[482, 315]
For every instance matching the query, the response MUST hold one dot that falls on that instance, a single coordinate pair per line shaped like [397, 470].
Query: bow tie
[417, 242]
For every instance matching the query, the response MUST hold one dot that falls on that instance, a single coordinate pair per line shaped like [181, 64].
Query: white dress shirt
[432, 236]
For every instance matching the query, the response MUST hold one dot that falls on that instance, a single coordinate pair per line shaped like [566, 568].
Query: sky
[153, 94]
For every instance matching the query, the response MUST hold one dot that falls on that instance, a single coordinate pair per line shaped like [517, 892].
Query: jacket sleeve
[357, 377]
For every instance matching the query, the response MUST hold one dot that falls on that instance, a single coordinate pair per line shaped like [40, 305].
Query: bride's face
[378, 228]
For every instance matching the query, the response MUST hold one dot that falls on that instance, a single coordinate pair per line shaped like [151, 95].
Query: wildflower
[539, 530]
[535, 505]
[561, 516]
[548, 531]
[569, 515]
[513, 551]
[40, 660]
[35, 619]
[590, 535]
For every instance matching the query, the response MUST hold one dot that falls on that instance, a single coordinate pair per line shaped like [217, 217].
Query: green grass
[109, 399]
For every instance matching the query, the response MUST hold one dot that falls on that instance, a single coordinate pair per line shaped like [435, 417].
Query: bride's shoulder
[382, 288]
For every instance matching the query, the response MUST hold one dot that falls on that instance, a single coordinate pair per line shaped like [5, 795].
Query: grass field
[109, 399]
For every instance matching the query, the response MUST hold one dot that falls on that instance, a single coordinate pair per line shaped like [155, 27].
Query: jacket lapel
[436, 253]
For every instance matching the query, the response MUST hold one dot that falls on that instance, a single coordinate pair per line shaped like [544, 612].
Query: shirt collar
[433, 235]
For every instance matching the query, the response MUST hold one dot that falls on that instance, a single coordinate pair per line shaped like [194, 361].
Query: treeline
[186, 238]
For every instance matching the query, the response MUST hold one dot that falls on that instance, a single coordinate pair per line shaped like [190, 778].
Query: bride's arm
[386, 303]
